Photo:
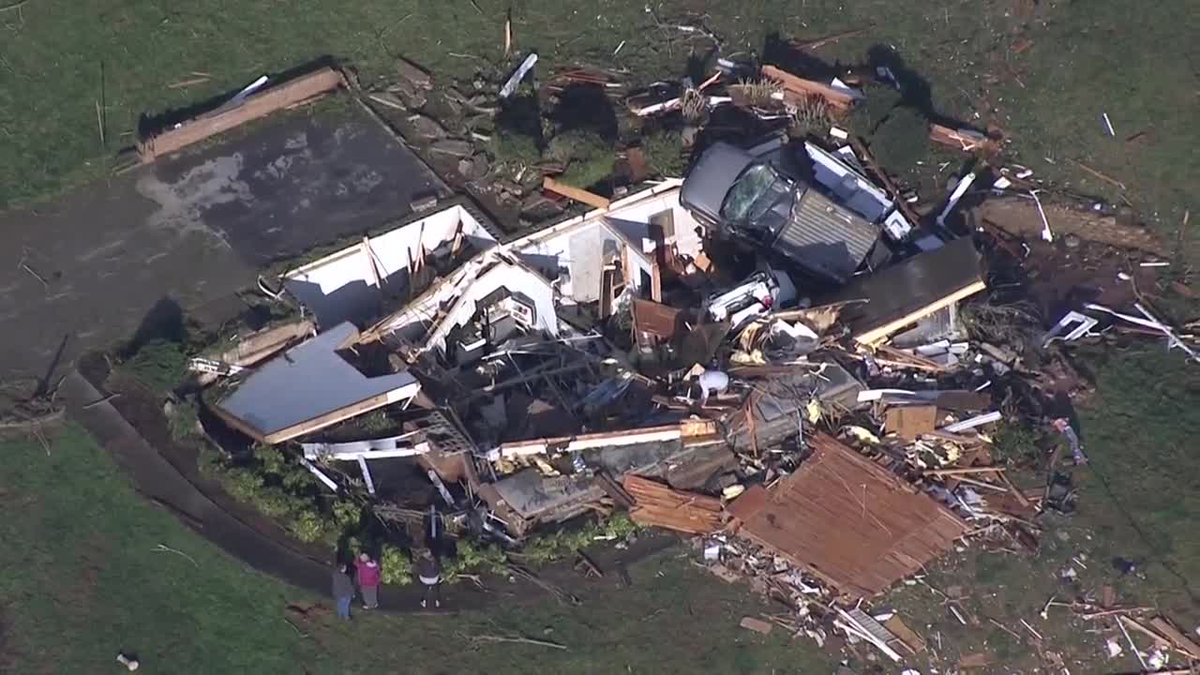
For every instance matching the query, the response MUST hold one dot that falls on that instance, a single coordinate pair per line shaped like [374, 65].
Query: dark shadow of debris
[699, 65]
[521, 115]
[148, 125]
[780, 52]
[915, 91]
[165, 321]
[585, 107]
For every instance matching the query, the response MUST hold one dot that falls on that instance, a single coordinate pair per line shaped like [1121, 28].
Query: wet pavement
[82, 272]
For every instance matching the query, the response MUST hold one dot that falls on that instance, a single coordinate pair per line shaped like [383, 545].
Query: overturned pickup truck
[811, 207]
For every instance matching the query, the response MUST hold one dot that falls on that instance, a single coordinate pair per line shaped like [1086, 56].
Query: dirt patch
[1019, 217]
[94, 559]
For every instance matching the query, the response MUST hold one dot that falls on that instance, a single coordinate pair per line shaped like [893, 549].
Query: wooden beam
[798, 85]
[285, 95]
[960, 472]
[578, 194]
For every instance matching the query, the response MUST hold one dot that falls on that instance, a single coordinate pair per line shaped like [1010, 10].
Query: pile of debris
[773, 356]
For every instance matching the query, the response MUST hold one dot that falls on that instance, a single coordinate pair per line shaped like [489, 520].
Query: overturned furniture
[847, 520]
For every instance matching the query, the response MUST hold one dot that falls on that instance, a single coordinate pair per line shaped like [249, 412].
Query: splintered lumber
[757, 625]
[1176, 637]
[657, 505]
[965, 140]
[800, 87]
[571, 192]
[293, 92]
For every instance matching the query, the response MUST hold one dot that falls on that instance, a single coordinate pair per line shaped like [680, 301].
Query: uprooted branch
[517, 640]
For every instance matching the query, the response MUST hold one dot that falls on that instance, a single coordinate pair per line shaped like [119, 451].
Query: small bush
[476, 559]
[664, 153]
[184, 421]
[309, 527]
[346, 515]
[514, 147]
[587, 155]
[395, 566]
[159, 363]
[901, 141]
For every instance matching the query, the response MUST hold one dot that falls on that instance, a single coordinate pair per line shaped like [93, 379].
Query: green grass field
[59, 60]
[84, 578]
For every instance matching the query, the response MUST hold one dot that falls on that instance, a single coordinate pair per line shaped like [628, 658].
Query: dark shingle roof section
[897, 291]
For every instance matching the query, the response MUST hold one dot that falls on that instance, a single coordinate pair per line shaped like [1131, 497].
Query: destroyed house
[586, 260]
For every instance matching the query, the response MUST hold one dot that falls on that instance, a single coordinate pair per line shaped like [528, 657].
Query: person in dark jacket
[429, 572]
[343, 591]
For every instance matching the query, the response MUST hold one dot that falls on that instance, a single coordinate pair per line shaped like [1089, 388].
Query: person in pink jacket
[367, 572]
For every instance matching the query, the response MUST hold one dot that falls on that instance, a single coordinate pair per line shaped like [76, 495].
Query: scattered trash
[519, 74]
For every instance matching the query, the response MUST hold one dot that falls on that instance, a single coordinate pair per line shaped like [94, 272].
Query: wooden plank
[963, 140]
[302, 89]
[968, 470]
[1177, 638]
[915, 643]
[757, 625]
[800, 86]
[578, 194]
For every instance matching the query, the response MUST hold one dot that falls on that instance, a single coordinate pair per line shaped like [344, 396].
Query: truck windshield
[756, 190]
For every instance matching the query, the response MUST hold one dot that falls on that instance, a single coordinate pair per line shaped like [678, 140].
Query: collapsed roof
[848, 520]
[310, 387]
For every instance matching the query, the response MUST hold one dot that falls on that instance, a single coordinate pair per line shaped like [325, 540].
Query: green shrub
[395, 566]
[309, 527]
[241, 484]
[473, 559]
[588, 157]
[564, 543]
[346, 515]
[515, 147]
[901, 141]
[159, 363]
[183, 419]
[664, 153]
[270, 458]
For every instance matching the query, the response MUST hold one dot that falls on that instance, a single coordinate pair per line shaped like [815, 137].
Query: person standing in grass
[343, 591]
[368, 573]
[429, 571]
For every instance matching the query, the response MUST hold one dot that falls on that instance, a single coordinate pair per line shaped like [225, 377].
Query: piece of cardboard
[909, 422]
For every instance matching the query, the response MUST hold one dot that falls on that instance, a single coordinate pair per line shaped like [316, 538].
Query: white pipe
[366, 472]
[319, 474]
[971, 423]
[959, 191]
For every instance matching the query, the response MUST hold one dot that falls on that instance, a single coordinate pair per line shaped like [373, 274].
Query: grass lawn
[1137, 502]
[83, 580]
[1044, 72]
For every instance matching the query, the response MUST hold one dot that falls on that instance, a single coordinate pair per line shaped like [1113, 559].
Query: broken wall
[347, 285]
